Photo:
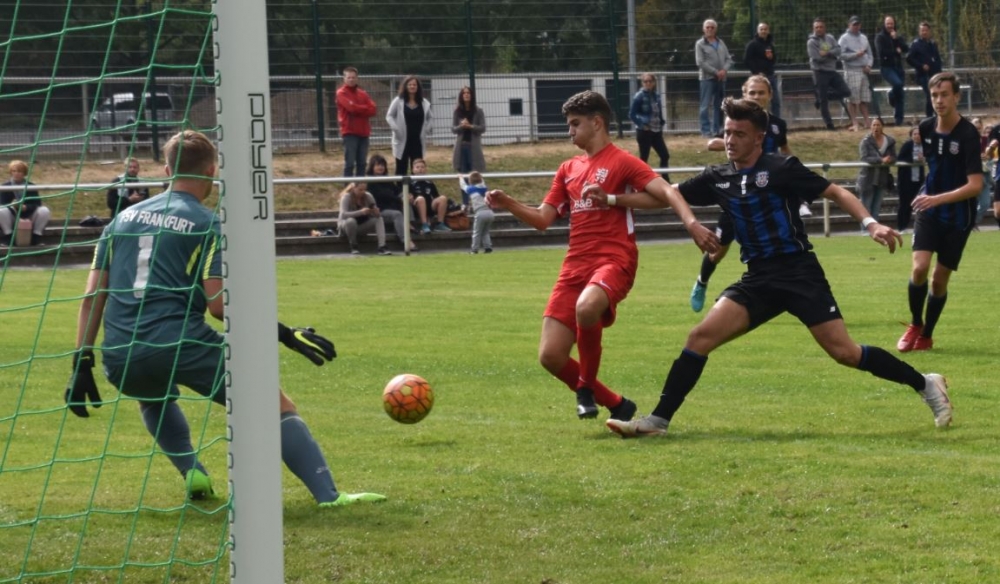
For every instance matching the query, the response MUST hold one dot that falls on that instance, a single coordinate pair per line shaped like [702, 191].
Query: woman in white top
[409, 118]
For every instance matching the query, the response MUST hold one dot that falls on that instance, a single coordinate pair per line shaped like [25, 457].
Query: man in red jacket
[354, 110]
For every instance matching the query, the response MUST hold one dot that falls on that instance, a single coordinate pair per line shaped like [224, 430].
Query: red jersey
[599, 234]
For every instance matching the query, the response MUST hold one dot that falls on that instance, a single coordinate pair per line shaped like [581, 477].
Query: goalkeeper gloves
[81, 385]
[316, 348]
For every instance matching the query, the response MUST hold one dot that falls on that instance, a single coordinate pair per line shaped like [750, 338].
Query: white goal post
[247, 213]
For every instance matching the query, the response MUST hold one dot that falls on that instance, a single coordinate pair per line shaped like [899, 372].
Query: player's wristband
[612, 200]
[867, 221]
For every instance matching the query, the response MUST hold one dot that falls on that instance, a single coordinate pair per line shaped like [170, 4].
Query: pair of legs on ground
[860, 96]
[8, 225]
[647, 139]
[355, 155]
[583, 327]
[829, 86]
[753, 301]
[153, 380]
[481, 224]
[351, 228]
[896, 78]
[949, 244]
[440, 208]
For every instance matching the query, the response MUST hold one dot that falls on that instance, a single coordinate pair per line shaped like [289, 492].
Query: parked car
[123, 110]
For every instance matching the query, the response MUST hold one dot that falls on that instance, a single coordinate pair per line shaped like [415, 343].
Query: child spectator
[474, 197]
[21, 205]
[433, 200]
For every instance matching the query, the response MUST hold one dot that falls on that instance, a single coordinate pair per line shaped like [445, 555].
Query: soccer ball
[408, 398]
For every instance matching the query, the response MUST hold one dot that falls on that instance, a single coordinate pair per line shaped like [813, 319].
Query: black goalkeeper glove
[316, 348]
[81, 385]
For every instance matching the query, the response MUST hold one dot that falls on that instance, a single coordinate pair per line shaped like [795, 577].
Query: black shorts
[724, 229]
[793, 283]
[946, 241]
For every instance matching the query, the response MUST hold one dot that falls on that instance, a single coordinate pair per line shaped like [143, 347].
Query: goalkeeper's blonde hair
[190, 153]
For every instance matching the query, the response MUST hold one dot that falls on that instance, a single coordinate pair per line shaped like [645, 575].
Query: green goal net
[95, 499]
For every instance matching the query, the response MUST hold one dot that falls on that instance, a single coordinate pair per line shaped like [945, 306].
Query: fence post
[826, 205]
[317, 65]
[154, 136]
[613, 46]
[469, 47]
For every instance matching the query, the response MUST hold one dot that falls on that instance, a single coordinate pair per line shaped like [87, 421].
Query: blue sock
[303, 457]
[166, 422]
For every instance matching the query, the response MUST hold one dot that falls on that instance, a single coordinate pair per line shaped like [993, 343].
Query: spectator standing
[388, 198]
[21, 205]
[474, 197]
[926, 62]
[759, 57]
[121, 196]
[946, 209]
[856, 54]
[409, 118]
[878, 149]
[909, 179]
[433, 201]
[714, 61]
[468, 122]
[823, 53]
[992, 150]
[354, 112]
[646, 113]
[891, 50]
[985, 195]
[360, 215]
[601, 261]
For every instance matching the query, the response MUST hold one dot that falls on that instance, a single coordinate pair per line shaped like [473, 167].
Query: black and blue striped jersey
[763, 202]
[951, 158]
[775, 135]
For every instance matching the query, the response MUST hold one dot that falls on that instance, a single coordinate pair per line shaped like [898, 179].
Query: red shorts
[614, 279]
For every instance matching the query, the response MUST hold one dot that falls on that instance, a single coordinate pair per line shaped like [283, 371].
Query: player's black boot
[624, 411]
[586, 408]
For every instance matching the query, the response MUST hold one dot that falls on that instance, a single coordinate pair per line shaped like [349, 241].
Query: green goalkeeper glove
[81, 385]
[316, 348]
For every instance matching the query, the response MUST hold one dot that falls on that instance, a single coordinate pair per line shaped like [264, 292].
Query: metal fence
[519, 108]
[523, 57]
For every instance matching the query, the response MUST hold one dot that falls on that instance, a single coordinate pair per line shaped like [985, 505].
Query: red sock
[588, 344]
[570, 375]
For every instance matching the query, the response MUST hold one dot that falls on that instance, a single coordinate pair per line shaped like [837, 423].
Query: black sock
[707, 269]
[680, 381]
[917, 295]
[935, 304]
[884, 365]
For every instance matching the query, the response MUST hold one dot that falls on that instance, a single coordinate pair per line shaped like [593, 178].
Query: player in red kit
[600, 265]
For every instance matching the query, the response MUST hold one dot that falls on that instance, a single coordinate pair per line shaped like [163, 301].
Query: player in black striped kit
[761, 192]
[946, 209]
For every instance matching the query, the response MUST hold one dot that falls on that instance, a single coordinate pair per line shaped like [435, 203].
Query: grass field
[782, 467]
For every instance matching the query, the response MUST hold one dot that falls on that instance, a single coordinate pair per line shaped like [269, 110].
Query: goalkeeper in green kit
[157, 268]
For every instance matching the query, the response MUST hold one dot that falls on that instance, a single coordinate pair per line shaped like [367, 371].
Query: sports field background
[781, 467]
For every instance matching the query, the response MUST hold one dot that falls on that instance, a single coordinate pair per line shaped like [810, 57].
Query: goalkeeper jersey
[157, 254]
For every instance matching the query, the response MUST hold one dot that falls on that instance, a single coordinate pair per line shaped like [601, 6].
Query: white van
[122, 109]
